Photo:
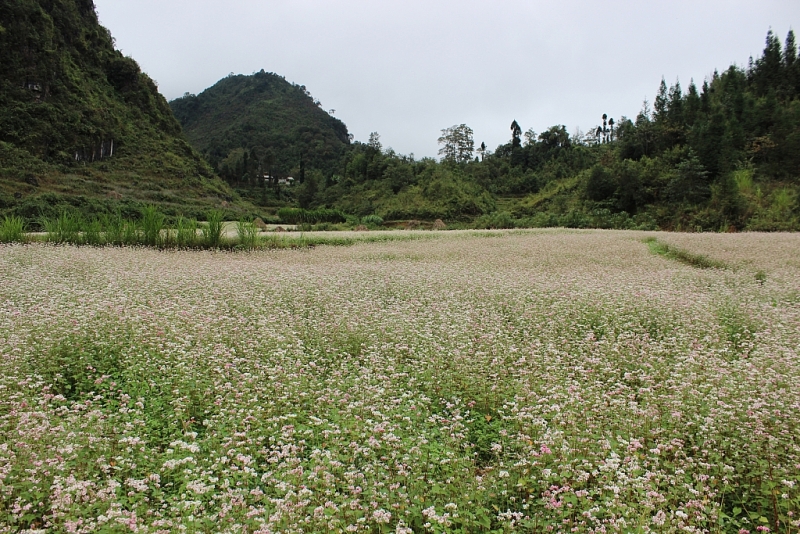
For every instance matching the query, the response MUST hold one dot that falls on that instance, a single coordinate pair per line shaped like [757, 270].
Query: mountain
[81, 125]
[246, 125]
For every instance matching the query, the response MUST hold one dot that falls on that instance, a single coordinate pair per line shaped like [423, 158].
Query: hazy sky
[408, 69]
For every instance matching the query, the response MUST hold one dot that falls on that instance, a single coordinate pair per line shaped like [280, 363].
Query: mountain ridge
[82, 124]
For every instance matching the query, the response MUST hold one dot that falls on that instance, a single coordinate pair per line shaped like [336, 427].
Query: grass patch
[683, 256]
[12, 230]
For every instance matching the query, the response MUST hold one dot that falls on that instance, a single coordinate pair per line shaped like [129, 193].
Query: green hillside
[720, 155]
[81, 125]
[261, 124]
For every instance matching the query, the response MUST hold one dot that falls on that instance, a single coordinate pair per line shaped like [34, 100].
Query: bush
[496, 220]
[300, 216]
[373, 220]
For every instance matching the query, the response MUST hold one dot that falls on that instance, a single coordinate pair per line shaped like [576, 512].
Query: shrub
[300, 216]
[374, 220]
[496, 220]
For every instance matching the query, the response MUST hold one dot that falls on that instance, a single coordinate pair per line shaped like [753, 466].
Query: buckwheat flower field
[538, 381]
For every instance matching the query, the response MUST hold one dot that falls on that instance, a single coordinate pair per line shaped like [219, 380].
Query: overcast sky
[409, 69]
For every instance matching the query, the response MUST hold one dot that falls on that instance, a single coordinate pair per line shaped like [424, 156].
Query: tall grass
[119, 231]
[93, 233]
[152, 226]
[66, 228]
[185, 232]
[247, 233]
[12, 230]
[152, 230]
[212, 232]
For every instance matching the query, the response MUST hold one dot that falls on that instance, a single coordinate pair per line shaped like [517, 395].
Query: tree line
[721, 155]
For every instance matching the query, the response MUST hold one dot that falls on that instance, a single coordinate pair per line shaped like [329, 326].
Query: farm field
[523, 381]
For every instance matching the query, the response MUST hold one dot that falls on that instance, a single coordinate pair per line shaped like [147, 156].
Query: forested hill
[720, 154]
[261, 124]
[81, 124]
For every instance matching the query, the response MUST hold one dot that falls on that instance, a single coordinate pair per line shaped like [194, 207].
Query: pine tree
[675, 104]
[705, 98]
[516, 132]
[693, 104]
[661, 103]
[769, 67]
[791, 67]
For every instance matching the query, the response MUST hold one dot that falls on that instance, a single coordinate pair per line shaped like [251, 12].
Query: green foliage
[119, 231]
[484, 436]
[185, 232]
[74, 112]
[372, 220]
[83, 130]
[683, 256]
[12, 230]
[247, 233]
[212, 231]
[249, 126]
[152, 226]
[496, 220]
[66, 228]
[300, 216]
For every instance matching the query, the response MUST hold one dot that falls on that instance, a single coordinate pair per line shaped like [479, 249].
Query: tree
[555, 137]
[307, 192]
[605, 128]
[791, 67]
[675, 105]
[375, 141]
[661, 103]
[692, 104]
[768, 70]
[516, 132]
[482, 150]
[530, 137]
[458, 144]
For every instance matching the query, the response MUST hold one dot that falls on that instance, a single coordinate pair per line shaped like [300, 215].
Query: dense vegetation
[82, 126]
[526, 381]
[722, 156]
[82, 129]
[251, 126]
